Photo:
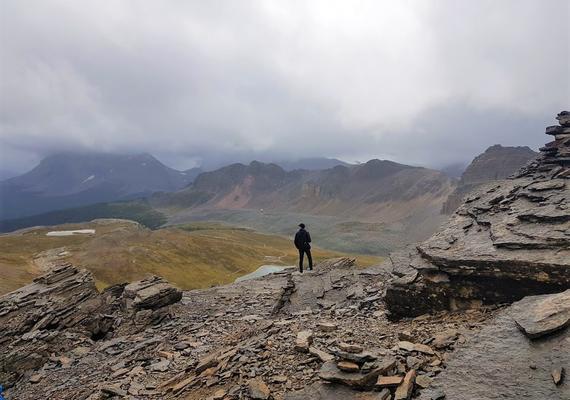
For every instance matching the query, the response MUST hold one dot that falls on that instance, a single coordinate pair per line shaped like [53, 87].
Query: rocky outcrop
[321, 334]
[496, 163]
[508, 240]
[63, 308]
[500, 362]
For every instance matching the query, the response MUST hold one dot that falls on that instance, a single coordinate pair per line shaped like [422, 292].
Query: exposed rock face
[510, 239]
[63, 308]
[500, 362]
[496, 163]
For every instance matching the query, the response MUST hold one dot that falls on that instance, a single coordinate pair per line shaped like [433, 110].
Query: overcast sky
[422, 82]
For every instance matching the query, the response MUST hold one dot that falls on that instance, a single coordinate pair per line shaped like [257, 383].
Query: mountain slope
[379, 190]
[315, 163]
[497, 162]
[71, 180]
[370, 208]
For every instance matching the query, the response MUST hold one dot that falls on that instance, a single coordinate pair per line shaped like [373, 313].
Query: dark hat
[302, 225]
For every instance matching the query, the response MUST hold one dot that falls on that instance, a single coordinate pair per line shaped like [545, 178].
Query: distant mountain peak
[69, 179]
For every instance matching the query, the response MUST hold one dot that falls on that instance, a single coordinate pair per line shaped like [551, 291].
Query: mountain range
[379, 190]
[370, 208]
[69, 180]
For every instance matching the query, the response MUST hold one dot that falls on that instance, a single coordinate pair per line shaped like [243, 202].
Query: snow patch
[71, 233]
[89, 178]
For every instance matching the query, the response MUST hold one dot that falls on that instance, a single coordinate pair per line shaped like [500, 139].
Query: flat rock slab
[544, 314]
[331, 373]
[326, 391]
[500, 362]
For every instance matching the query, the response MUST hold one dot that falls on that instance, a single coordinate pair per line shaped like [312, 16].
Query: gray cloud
[206, 82]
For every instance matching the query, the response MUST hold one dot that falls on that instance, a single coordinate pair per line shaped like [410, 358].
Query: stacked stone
[556, 154]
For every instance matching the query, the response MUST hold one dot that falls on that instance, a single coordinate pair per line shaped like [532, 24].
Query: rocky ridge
[496, 163]
[508, 240]
[283, 336]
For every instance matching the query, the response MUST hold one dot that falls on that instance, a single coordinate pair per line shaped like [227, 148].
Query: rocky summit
[434, 322]
[508, 240]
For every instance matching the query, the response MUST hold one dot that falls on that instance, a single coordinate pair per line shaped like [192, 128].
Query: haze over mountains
[69, 180]
[372, 207]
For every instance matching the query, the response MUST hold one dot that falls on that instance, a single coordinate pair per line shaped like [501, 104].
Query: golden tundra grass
[191, 256]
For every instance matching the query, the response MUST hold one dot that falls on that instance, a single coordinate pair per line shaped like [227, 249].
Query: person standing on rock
[302, 243]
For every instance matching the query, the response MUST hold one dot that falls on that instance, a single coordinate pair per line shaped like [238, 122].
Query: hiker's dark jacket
[302, 240]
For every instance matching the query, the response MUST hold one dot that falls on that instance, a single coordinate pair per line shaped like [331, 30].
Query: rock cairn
[508, 240]
[555, 156]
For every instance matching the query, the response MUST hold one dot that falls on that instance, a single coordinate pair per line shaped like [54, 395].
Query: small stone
[423, 381]
[326, 326]
[219, 394]
[181, 346]
[303, 341]
[347, 366]
[160, 366]
[350, 348]
[113, 390]
[322, 355]
[258, 390]
[445, 339]
[36, 378]
[405, 345]
[558, 375]
[422, 348]
[405, 336]
[389, 381]
[279, 379]
[414, 362]
[404, 391]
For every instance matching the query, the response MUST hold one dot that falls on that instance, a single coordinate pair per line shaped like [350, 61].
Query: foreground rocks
[62, 311]
[285, 335]
[510, 239]
[502, 362]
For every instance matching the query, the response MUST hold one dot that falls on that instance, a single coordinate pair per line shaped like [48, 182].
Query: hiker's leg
[301, 261]
[310, 258]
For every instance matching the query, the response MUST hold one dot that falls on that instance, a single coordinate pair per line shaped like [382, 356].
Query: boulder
[544, 315]
[151, 293]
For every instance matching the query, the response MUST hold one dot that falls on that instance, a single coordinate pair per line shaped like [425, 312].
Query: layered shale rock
[63, 309]
[321, 334]
[508, 240]
[496, 163]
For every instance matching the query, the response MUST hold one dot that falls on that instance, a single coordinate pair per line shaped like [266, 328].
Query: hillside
[70, 180]
[497, 162]
[191, 256]
[373, 207]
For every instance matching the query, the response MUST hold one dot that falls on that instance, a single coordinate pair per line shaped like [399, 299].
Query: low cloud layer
[207, 82]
